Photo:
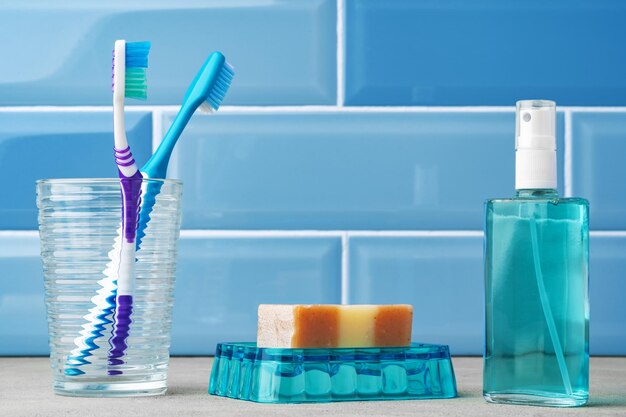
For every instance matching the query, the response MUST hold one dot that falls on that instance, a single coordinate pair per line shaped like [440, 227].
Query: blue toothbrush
[206, 92]
[113, 302]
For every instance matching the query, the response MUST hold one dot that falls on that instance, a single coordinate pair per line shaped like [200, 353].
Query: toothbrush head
[208, 89]
[130, 60]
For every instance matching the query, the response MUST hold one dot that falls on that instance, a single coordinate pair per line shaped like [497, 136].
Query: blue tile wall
[284, 52]
[333, 170]
[441, 277]
[607, 307]
[23, 326]
[488, 52]
[599, 166]
[221, 281]
[372, 133]
[58, 145]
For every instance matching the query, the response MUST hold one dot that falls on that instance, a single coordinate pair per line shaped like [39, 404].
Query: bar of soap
[334, 326]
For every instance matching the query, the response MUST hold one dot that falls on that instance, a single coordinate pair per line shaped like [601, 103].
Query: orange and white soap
[334, 326]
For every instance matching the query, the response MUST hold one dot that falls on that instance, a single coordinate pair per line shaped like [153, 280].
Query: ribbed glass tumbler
[96, 348]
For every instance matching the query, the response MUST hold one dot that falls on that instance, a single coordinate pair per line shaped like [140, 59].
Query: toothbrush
[130, 61]
[206, 92]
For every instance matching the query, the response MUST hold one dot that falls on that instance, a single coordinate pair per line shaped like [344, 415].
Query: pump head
[535, 144]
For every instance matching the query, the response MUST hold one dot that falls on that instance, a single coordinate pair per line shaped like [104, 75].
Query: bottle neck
[537, 193]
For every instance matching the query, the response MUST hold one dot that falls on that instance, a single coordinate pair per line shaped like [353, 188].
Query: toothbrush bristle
[136, 85]
[137, 54]
[205, 107]
[219, 89]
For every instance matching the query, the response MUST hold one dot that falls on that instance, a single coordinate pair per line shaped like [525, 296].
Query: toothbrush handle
[131, 199]
[156, 167]
[121, 330]
[153, 189]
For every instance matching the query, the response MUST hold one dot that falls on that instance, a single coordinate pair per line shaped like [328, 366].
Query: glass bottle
[536, 278]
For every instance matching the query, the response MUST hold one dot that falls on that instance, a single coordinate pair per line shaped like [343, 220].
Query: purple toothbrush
[130, 61]
[113, 302]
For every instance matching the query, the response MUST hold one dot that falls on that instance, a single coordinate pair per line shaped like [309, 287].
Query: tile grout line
[19, 233]
[299, 109]
[223, 233]
[367, 109]
[567, 154]
[331, 233]
[198, 233]
[609, 109]
[157, 128]
[213, 233]
[415, 233]
[264, 109]
[340, 53]
[78, 109]
[608, 233]
[345, 267]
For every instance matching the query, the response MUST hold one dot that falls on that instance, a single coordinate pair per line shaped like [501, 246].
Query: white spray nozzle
[536, 124]
[535, 144]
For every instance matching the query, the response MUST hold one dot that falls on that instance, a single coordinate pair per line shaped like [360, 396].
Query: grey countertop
[26, 390]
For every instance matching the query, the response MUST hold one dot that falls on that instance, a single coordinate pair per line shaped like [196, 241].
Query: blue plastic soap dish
[270, 375]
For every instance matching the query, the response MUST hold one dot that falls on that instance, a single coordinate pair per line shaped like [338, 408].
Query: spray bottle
[536, 278]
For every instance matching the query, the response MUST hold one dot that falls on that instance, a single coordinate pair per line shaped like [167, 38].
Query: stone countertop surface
[26, 390]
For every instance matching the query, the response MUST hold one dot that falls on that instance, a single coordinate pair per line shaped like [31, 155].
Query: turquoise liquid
[536, 300]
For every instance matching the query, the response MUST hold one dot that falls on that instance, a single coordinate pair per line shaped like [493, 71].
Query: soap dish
[270, 375]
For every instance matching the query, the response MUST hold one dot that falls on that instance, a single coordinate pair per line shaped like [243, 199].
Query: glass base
[539, 398]
[110, 389]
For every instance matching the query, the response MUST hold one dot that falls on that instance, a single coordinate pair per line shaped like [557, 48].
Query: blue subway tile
[606, 286]
[598, 168]
[23, 326]
[442, 277]
[36, 145]
[221, 281]
[346, 170]
[488, 52]
[283, 52]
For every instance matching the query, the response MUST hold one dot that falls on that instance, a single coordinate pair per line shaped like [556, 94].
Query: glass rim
[101, 181]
